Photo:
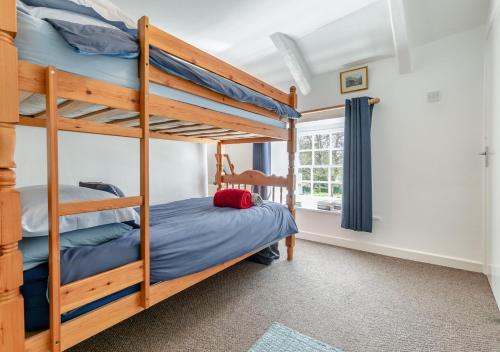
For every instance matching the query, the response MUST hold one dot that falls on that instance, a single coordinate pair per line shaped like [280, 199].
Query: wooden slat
[202, 132]
[250, 140]
[186, 112]
[53, 209]
[166, 79]
[81, 292]
[101, 114]
[171, 124]
[255, 178]
[144, 156]
[178, 128]
[222, 134]
[189, 53]
[65, 108]
[124, 120]
[174, 137]
[73, 125]
[98, 205]
[191, 132]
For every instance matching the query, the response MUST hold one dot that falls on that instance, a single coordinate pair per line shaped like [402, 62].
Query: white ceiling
[331, 34]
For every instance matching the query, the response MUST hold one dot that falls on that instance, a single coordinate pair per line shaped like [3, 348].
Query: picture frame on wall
[354, 80]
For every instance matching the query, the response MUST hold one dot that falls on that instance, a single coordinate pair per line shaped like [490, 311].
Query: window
[319, 162]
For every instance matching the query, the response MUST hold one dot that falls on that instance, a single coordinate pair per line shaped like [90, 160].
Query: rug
[279, 338]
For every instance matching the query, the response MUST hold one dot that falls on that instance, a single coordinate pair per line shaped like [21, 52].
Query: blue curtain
[357, 184]
[262, 162]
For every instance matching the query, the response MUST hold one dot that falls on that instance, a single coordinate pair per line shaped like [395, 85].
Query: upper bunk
[193, 96]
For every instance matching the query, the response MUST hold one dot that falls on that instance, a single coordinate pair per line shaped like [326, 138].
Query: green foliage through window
[320, 161]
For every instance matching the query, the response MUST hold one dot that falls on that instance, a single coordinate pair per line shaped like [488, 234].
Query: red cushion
[233, 198]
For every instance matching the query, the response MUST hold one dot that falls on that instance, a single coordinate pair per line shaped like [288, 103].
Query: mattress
[38, 42]
[186, 237]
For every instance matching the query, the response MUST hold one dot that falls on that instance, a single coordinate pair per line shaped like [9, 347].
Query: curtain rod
[371, 101]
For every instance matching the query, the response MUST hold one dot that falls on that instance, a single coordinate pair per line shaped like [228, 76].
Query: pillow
[69, 16]
[36, 249]
[102, 10]
[257, 200]
[35, 210]
[101, 186]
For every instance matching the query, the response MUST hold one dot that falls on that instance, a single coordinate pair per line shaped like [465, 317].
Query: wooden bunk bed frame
[188, 123]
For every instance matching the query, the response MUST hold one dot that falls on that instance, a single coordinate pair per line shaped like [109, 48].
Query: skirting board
[403, 253]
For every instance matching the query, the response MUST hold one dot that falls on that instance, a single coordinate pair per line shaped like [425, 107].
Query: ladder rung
[81, 292]
[98, 205]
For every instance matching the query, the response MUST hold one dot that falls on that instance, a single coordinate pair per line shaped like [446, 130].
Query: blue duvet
[187, 236]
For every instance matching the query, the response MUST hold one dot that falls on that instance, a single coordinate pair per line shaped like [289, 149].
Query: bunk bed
[162, 105]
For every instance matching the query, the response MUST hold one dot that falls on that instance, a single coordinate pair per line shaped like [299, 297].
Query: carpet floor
[351, 300]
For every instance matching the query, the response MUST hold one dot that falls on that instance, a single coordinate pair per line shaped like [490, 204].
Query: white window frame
[325, 127]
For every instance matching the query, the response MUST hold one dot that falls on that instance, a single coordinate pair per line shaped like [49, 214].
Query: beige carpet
[351, 300]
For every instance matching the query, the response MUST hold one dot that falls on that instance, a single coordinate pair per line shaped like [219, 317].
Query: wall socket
[434, 96]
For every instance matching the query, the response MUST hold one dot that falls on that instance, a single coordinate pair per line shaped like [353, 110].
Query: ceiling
[330, 34]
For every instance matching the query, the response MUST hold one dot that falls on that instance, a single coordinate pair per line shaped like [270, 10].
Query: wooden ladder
[76, 294]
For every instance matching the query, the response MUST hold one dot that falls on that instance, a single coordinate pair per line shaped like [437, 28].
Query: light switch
[434, 97]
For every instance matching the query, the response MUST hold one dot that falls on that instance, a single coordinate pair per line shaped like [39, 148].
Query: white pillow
[108, 10]
[34, 206]
[64, 15]
[102, 10]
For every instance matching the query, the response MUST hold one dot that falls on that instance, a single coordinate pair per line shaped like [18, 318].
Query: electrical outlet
[434, 97]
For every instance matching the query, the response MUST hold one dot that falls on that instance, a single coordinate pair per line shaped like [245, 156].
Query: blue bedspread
[187, 236]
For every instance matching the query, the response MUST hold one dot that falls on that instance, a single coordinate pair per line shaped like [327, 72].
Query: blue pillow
[36, 249]
[101, 186]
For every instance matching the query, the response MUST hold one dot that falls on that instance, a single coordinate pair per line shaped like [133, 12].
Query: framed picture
[354, 80]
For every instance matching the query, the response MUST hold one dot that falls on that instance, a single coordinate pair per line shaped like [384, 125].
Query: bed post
[292, 136]
[11, 265]
[219, 157]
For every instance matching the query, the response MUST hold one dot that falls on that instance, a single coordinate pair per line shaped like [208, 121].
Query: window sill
[313, 210]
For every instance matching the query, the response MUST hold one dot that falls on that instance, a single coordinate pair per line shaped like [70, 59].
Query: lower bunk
[190, 240]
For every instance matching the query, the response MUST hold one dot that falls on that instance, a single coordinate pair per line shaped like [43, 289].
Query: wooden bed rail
[195, 56]
[11, 263]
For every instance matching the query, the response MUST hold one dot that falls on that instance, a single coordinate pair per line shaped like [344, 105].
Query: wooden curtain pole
[371, 101]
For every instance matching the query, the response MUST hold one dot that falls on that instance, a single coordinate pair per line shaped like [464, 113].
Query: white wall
[492, 89]
[177, 169]
[427, 174]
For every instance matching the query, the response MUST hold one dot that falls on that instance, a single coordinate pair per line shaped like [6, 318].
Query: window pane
[320, 174]
[320, 189]
[304, 174]
[336, 174]
[337, 157]
[305, 142]
[338, 140]
[321, 158]
[305, 158]
[304, 189]
[336, 190]
[322, 141]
